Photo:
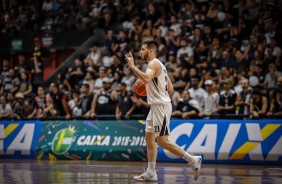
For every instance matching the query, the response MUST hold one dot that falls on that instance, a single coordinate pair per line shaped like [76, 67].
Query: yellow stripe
[268, 130]
[9, 129]
[39, 157]
[60, 140]
[141, 121]
[89, 156]
[102, 137]
[241, 152]
[52, 157]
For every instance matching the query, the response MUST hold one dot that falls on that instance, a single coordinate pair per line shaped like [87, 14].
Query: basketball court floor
[72, 172]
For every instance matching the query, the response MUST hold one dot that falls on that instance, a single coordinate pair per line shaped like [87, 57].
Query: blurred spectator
[76, 73]
[104, 101]
[4, 72]
[107, 60]
[180, 79]
[11, 100]
[175, 26]
[186, 108]
[276, 100]
[171, 64]
[99, 81]
[271, 76]
[227, 99]
[22, 65]
[64, 84]
[95, 55]
[243, 99]
[117, 66]
[162, 52]
[89, 79]
[25, 87]
[38, 60]
[128, 79]
[10, 83]
[86, 99]
[258, 105]
[185, 54]
[116, 80]
[172, 41]
[215, 51]
[122, 43]
[39, 103]
[108, 13]
[50, 110]
[240, 62]
[259, 73]
[196, 92]
[226, 60]
[224, 74]
[59, 100]
[210, 100]
[89, 66]
[141, 106]
[110, 41]
[19, 109]
[75, 104]
[125, 105]
[6, 110]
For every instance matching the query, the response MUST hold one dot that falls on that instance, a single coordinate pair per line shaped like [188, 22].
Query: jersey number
[157, 128]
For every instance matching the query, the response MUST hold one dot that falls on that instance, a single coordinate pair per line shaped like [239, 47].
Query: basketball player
[158, 85]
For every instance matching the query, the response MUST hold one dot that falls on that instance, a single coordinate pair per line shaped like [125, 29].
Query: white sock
[151, 166]
[189, 158]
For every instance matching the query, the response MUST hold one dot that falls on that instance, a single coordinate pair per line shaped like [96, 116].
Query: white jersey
[157, 88]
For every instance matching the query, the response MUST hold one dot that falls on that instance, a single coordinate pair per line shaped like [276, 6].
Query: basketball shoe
[196, 166]
[147, 176]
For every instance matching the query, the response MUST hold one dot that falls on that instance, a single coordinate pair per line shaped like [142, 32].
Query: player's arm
[150, 71]
[148, 75]
[169, 85]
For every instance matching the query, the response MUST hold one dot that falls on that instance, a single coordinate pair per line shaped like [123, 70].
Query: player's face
[144, 52]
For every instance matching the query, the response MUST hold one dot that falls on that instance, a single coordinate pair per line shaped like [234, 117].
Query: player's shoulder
[155, 63]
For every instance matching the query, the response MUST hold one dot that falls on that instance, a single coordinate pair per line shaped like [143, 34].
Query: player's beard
[144, 56]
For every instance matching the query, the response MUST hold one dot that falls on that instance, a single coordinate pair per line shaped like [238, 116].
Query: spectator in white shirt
[210, 100]
[196, 91]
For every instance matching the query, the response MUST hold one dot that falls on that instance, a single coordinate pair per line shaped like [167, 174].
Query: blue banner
[227, 141]
[18, 139]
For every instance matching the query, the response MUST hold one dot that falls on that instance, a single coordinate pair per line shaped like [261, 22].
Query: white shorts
[158, 119]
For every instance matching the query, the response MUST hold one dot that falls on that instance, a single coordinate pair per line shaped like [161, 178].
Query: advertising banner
[227, 141]
[92, 140]
[18, 139]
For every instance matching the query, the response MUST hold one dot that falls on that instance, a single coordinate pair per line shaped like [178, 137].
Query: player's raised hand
[129, 58]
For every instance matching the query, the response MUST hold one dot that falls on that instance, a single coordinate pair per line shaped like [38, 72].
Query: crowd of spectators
[223, 56]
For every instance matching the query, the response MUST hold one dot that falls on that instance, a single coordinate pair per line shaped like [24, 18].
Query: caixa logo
[63, 140]
[230, 140]
[18, 139]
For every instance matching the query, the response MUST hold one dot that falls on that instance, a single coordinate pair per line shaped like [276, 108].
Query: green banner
[92, 140]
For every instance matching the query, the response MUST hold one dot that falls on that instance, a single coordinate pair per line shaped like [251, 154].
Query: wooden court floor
[72, 172]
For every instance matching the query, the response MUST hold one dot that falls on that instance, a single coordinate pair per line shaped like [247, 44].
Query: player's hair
[151, 44]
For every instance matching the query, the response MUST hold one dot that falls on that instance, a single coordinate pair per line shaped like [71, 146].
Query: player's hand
[129, 58]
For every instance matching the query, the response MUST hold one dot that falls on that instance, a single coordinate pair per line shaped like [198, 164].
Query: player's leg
[163, 141]
[193, 161]
[152, 151]
[150, 174]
